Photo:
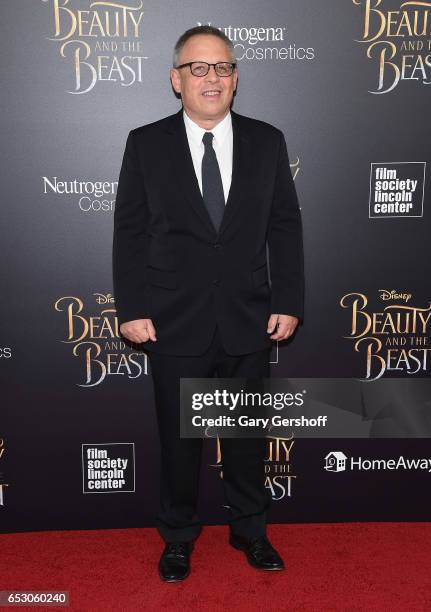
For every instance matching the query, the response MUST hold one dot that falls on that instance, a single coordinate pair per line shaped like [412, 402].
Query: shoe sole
[265, 569]
[173, 579]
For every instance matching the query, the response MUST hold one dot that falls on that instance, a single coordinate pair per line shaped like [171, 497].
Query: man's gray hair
[202, 29]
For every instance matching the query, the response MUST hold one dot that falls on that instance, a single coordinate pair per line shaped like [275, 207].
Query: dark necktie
[212, 186]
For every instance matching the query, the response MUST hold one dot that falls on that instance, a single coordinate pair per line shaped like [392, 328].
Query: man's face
[206, 48]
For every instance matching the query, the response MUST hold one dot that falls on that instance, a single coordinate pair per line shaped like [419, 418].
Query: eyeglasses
[201, 69]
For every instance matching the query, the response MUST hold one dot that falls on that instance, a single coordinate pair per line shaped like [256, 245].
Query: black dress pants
[242, 458]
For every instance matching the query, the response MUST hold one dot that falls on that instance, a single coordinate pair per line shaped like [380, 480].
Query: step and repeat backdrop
[349, 84]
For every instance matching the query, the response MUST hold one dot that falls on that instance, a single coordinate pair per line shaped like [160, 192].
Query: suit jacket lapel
[185, 173]
[241, 160]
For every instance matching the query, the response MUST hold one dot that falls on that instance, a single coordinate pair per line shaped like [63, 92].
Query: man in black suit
[201, 195]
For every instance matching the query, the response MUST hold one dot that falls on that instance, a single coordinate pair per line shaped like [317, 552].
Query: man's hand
[139, 330]
[286, 326]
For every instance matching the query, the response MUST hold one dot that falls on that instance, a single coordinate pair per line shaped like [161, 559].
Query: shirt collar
[220, 131]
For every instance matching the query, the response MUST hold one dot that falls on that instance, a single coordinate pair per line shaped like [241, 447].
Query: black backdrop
[347, 84]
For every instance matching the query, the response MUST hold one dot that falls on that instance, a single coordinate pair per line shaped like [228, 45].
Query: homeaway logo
[336, 461]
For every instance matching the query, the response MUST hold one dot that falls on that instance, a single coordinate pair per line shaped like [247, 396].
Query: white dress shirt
[222, 145]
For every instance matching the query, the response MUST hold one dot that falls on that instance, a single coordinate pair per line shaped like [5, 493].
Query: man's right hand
[139, 330]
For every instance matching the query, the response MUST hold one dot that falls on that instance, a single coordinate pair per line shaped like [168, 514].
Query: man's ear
[175, 80]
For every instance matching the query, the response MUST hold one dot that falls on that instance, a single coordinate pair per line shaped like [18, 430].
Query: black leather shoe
[174, 564]
[260, 553]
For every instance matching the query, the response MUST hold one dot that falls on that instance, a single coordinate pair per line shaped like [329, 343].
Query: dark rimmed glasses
[201, 69]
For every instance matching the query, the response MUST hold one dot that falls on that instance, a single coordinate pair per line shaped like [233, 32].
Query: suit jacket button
[216, 282]
[216, 245]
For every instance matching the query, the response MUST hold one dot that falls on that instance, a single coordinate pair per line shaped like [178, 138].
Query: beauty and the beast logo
[101, 43]
[96, 341]
[398, 41]
[394, 340]
[3, 485]
[278, 475]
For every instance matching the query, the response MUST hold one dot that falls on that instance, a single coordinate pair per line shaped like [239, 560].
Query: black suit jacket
[170, 264]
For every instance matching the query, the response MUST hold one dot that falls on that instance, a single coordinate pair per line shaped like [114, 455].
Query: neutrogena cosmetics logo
[91, 196]
[264, 43]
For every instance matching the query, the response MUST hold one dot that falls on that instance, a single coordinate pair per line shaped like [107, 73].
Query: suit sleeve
[285, 242]
[130, 239]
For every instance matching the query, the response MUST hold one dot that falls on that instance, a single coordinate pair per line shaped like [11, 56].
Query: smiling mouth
[211, 93]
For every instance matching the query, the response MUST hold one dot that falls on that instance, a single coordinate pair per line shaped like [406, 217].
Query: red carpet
[331, 567]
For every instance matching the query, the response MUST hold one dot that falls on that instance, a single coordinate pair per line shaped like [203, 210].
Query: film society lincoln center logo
[108, 468]
[396, 189]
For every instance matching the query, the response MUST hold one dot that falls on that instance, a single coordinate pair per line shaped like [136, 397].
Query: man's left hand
[285, 325]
